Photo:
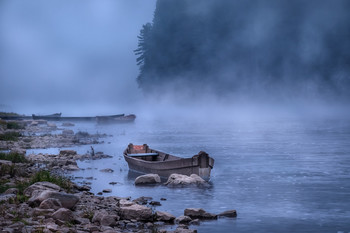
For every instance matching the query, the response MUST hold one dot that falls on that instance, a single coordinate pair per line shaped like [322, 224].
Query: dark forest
[256, 48]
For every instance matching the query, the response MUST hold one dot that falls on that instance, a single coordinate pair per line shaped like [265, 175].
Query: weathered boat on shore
[55, 116]
[116, 119]
[141, 158]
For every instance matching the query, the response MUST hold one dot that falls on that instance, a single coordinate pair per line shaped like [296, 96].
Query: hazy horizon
[78, 58]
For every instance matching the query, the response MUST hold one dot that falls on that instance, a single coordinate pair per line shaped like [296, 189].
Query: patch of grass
[14, 125]
[82, 134]
[10, 136]
[3, 188]
[8, 170]
[44, 175]
[3, 123]
[39, 176]
[89, 214]
[9, 114]
[13, 157]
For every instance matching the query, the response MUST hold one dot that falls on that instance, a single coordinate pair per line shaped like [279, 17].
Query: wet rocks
[147, 179]
[67, 124]
[176, 180]
[228, 214]
[141, 200]
[38, 135]
[109, 170]
[164, 216]
[67, 152]
[136, 211]
[183, 219]
[199, 213]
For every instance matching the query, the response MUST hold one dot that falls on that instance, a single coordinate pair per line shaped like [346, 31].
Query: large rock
[51, 203]
[199, 213]
[10, 198]
[228, 214]
[39, 187]
[5, 162]
[147, 179]
[105, 219]
[11, 191]
[136, 211]
[183, 220]
[125, 203]
[63, 214]
[67, 200]
[164, 216]
[183, 180]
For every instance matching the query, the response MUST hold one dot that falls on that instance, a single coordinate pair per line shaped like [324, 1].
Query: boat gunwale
[176, 159]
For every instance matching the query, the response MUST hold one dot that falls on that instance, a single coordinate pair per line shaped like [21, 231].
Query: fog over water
[77, 58]
[70, 57]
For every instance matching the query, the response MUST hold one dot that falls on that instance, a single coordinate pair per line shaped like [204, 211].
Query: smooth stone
[67, 200]
[183, 180]
[164, 216]
[63, 214]
[228, 214]
[199, 213]
[147, 179]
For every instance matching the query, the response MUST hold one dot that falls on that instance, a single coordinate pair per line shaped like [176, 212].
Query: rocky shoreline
[46, 207]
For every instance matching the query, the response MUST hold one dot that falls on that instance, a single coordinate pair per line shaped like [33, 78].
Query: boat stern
[204, 163]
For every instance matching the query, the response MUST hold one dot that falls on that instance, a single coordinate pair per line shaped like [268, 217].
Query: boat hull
[116, 119]
[200, 164]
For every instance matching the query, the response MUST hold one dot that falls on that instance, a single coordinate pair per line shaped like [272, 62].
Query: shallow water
[281, 176]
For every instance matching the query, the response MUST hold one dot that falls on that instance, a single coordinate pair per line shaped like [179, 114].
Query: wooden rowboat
[116, 119]
[141, 158]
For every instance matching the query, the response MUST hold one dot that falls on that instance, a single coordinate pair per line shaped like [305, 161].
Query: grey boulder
[147, 179]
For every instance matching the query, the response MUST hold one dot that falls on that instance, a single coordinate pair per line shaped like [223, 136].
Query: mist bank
[276, 50]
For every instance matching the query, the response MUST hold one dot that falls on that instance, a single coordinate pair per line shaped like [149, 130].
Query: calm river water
[280, 175]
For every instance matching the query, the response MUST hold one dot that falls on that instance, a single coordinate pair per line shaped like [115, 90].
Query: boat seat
[143, 154]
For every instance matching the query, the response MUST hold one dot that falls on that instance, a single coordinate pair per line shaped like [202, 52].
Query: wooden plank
[143, 154]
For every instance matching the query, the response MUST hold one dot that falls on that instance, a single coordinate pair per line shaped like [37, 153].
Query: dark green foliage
[231, 45]
[14, 125]
[13, 157]
[9, 114]
[3, 123]
[9, 136]
[39, 176]
[82, 134]
[8, 170]
[44, 175]
[3, 188]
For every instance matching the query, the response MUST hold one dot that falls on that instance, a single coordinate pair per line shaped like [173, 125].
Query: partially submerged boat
[116, 119]
[141, 158]
[55, 116]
